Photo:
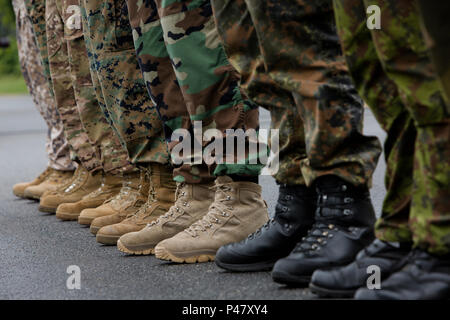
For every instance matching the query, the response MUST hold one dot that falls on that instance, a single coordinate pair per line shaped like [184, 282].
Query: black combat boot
[424, 277]
[342, 282]
[343, 226]
[276, 239]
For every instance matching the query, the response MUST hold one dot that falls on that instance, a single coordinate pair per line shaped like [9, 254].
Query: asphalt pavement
[36, 248]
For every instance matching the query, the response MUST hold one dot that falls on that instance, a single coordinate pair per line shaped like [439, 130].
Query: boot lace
[45, 173]
[77, 181]
[126, 193]
[144, 210]
[265, 226]
[218, 210]
[316, 237]
[175, 210]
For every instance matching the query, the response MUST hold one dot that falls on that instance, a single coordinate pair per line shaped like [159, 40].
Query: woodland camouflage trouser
[118, 80]
[189, 78]
[290, 58]
[393, 71]
[57, 148]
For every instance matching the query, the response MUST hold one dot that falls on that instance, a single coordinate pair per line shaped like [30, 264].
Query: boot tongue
[223, 180]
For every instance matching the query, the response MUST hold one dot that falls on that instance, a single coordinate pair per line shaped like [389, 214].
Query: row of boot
[145, 212]
[320, 236]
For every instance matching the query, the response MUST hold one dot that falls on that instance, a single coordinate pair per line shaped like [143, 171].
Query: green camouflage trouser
[437, 36]
[64, 92]
[113, 156]
[394, 73]
[190, 79]
[291, 61]
[118, 80]
[57, 148]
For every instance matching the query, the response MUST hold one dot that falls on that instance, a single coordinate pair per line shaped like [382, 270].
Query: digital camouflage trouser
[291, 61]
[393, 71]
[57, 148]
[119, 83]
[189, 78]
[113, 157]
[64, 91]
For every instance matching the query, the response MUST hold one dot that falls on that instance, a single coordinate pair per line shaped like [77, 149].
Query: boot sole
[251, 267]
[66, 216]
[107, 240]
[331, 293]
[162, 254]
[47, 209]
[289, 280]
[94, 230]
[124, 249]
[36, 198]
[85, 221]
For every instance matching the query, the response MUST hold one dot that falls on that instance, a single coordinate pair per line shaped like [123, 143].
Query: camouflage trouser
[119, 82]
[30, 62]
[36, 12]
[63, 90]
[393, 72]
[436, 30]
[189, 78]
[291, 60]
[113, 156]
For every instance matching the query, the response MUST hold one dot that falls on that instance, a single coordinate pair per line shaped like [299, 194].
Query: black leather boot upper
[342, 282]
[344, 226]
[276, 239]
[424, 277]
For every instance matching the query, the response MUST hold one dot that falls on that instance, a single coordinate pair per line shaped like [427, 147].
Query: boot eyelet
[285, 209]
[344, 188]
[348, 212]
[228, 198]
[348, 200]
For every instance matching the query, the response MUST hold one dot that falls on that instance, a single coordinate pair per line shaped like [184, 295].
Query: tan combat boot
[132, 196]
[238, 210]
[192, 203]
[82, 185]
[111, 185]
[161, 197]
[50, 180]
[19, 188]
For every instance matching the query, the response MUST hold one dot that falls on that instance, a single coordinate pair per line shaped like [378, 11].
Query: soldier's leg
[209, 83]
[31, 65]
[127, 108]
[180, 49]
[295, 206]
[238, 33]
[64, 91]
[132, 112]
[435, 26]
[406, 59]
[88, 174]
[407, 62]
[113, 156]
[340, 159]
[382, 96]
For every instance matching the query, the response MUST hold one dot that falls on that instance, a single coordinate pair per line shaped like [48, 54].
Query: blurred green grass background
[11, 80]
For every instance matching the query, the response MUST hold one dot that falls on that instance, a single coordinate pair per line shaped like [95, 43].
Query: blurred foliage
[9, 61]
